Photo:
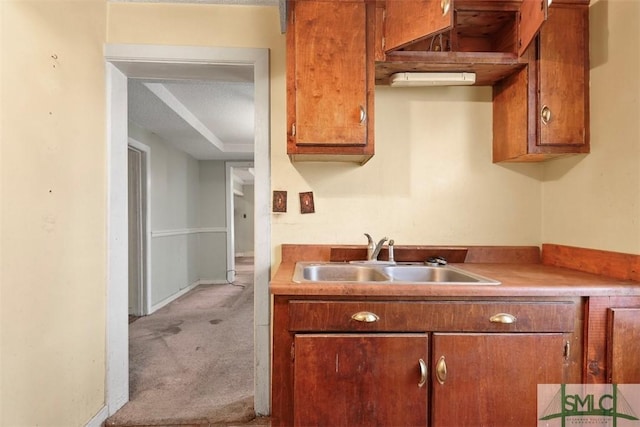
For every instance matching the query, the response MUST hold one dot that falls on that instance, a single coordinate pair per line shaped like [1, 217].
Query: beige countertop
[517, 279]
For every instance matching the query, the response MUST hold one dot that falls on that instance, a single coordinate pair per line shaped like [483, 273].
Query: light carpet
[191, 362]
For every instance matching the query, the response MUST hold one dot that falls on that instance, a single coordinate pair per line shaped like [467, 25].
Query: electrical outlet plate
[306, 203]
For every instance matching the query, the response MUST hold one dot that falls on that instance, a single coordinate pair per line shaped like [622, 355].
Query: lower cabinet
[624, 345]
[491, 379]
[613, 340]
[360, 379]
[420, 363]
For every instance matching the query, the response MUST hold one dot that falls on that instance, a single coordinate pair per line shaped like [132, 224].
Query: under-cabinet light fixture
[432, 79]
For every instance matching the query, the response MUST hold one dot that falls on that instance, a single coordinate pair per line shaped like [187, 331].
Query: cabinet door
[532, 16]
[624, 346]
[408, 21]
[328, 94]
[360, 379]
[491, 379]
[563, 77]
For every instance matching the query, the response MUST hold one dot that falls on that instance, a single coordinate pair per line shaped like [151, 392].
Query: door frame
[125, 61]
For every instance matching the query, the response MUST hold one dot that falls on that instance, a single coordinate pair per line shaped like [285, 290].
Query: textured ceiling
[208, 120]
[207, 111]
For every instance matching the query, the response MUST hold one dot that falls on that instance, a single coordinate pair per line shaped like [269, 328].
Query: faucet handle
[391, 256]
[436, 261]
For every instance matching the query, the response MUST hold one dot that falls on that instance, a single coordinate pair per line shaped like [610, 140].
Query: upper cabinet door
[408, 21]
[533, 13]
[330, 72]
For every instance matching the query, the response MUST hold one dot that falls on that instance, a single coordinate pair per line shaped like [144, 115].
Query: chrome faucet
[373, 250]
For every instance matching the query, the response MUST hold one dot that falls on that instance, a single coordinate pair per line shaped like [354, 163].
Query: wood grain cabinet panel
[542, 111]
[330, 80]
[624, 345]
[360, 380]
[491, 379]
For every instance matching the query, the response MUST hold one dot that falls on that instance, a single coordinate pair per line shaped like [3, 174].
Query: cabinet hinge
[293, 129]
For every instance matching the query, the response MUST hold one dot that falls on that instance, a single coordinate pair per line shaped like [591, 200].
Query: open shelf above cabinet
[484, 37]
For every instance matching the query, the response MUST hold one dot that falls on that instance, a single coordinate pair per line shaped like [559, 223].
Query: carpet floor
[191, 362]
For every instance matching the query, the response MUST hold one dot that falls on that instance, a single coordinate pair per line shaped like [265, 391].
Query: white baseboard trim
[185, 231]
[183, 291]
[99, 418]
[173, 297]
[241, 254]
[213, 282]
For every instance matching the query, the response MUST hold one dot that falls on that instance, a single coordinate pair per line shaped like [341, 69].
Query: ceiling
[208, 112]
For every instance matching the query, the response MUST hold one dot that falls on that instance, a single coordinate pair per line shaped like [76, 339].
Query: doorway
[171, 62]
[234, 173]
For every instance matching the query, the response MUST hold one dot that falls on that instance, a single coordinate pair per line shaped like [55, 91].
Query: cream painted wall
[53, 212]
[594, 201]
[431, 181]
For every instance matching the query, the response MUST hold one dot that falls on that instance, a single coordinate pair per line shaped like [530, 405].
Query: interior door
[360, 380]
[408, 21]
[136, 242]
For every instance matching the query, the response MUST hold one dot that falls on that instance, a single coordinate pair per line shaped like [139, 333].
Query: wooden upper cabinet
[330, 80]
[542, 111]
[503, 25]
[486, 37]
[563, 78]
[409, 21]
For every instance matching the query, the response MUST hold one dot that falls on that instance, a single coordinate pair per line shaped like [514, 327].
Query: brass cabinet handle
[363, 115]
[423, 373]
[441, 370]
[365, 316]
[445, 5]
[503, 318]
[545, 114]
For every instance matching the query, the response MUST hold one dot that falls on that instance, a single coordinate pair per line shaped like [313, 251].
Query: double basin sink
[312, 272]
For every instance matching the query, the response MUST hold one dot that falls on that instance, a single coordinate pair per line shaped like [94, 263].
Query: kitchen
[431, 180]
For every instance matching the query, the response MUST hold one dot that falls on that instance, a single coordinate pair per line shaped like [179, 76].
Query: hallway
[191, 362]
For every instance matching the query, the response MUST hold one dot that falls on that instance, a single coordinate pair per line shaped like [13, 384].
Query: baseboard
[212, 282]
[173, 297]
[99, 418]
[244, 254]
[183, 291]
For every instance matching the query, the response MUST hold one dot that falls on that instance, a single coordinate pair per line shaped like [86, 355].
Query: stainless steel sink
[337, 273]
[309, 272]
[428, 274]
